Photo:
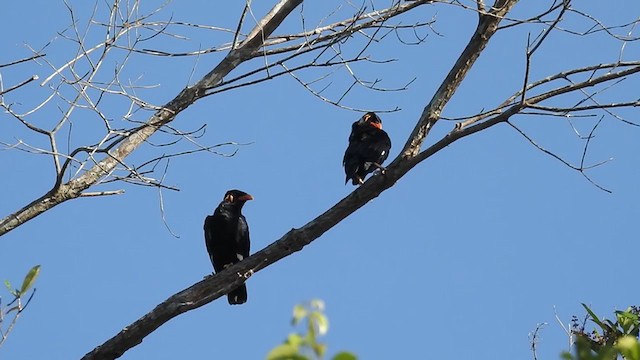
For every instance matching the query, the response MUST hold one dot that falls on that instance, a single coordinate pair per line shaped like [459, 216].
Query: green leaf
[12, 291]
[627, 320]
[319, 349]
[310, 338]
[285, 352]
[345, 355]
[30, 279]
[566, 356]
[320, 322]
[629, 347]
[295, 340]
[594, 317]
[627, 314]
[299, 313]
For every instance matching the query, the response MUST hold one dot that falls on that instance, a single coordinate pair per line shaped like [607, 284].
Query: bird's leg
[359, 180]
[380, 167]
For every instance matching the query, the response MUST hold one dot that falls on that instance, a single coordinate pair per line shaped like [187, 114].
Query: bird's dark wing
[354, 142]
[378, 147]
[219, 237]
[209, 237]
[356, 130]
[374, 146]
[243, 242]
[352, 160]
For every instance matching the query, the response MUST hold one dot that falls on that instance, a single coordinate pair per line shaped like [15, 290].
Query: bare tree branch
[212, 288]
[18, 85]
[188, 96]
[103, 161]
[487, 26]
[88, 165]
[534, 338]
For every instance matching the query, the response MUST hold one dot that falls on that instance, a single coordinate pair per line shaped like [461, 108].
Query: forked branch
[75, 187]
[213, 287]
[487, 27]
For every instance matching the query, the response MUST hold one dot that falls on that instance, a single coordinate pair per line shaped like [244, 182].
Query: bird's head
[236, 197]
[371, 119]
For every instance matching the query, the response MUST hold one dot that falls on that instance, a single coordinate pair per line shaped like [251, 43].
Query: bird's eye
[228, 198]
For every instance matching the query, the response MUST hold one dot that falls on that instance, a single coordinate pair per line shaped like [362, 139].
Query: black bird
[369, 147]
[226, 235]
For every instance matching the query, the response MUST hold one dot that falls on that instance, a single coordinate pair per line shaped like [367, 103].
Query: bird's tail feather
[238, 295]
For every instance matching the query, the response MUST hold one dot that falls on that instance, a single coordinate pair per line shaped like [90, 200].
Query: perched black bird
[369, 147]
[226, 234]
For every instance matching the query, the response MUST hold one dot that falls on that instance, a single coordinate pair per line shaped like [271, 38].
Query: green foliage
[15, 307]
[629, 347]
[30, 279]
[345, 356]
[608, 339]
[305, 346]
[13, 292]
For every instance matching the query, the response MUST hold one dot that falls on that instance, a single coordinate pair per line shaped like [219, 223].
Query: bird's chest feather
[364, 137]
[229, 229]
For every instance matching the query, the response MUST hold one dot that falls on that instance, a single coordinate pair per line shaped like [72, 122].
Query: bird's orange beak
[378, 125]
[245, 197]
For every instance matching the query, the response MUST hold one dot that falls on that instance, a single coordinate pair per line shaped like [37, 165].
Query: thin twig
[534, 338]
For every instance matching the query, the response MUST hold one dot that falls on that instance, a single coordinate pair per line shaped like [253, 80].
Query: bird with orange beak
[226, 234]
[368, 148]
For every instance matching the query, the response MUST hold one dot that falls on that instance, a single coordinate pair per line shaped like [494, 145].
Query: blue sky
[460, 259]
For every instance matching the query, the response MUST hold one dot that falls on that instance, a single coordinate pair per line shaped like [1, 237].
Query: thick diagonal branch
[184, 99]
[214, 287]
[221, 283]
[487, 26]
